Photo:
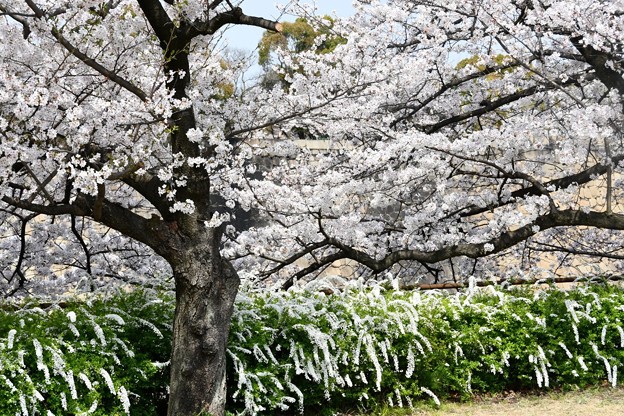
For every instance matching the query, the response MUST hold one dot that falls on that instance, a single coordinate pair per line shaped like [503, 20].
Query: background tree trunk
[206, 287]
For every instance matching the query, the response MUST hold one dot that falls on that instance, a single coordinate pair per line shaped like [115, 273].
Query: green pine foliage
[299, 36]
[306, 352]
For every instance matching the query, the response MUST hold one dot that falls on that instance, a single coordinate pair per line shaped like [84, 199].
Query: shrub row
[101, 357]
[366, 347]
[306, 352]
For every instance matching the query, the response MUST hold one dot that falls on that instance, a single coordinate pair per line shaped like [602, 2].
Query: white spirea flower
[123, 397]
[74, 330]
[397, 394]
[539, 376]
[85, 380]
[38, 396]
[582, 363]
[151, 326]
[38, 351]
[69, 377]
[567, 351]
[576, 333]
[11, 338]
[363, 377]
[22, 401]
[410, 363]
[431, 394]
[71, 315]
[93, 407]
[99, 333]
[108, 380]
[116, 318]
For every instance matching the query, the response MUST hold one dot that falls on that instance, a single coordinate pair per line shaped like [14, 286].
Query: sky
[247, 37]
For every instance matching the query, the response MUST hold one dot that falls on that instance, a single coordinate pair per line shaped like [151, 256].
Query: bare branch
[312, 268]
[290, 260]
[447, 86]
[40, 185]
[98, 67]
[580, 178]
[60, 209]
[18, 17]
[565, 218]
[39, 13]
[551, 248]
[83, 245]
[487, 107]
[151, 232]
[540, 188]
[18, 270]
[234, 16]
[505, 282]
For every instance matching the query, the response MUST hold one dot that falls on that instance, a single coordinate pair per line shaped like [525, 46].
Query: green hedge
[100, 357]
[300, 351]
[365, 348]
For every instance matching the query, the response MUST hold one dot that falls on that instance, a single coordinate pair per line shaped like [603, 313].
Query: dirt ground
[595, 402]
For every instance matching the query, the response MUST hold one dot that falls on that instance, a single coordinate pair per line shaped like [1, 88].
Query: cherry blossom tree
[464, 139]
[456, 131]
[115, 111]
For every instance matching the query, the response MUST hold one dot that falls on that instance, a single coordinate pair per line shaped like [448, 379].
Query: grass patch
[603, 401]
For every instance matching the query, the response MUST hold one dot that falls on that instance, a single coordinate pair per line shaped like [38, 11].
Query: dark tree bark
[206, 287]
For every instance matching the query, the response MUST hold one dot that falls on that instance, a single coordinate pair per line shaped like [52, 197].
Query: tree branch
[580, 178]
[290, 260]
[540, 189]
[504, 241]
[17, 271]
[61, 209]
[151, 232]
[83, 245]
[487, 108]
[18, 17]
[327, 260]
[159, 20]
[551, 248]
[234, 16]
[450, 85]
[503, 282]
[39, 13]
[92, 63]
[147, 186]
[598, 61]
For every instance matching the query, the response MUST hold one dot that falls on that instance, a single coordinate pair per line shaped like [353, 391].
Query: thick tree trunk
[206, 287]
